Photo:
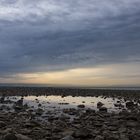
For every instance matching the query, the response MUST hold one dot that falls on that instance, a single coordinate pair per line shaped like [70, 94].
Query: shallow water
[59, 102]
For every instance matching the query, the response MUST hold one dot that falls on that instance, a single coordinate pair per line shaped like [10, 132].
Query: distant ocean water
[50, 85]
[119, 88]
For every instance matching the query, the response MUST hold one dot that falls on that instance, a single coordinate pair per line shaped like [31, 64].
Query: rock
[132, 118]
[2, 124]
[99, 138]
[70, 111]
[98, 124]
[25, 131]
[64, 117]
[4, 107]
[18, 108]
[23, 113]
[22, 137]
[39, 111]
[32, 123]
[82, 133]
[119, 105]
[131, 124]
[106, 133]
[122, 130]
[20, 102]
[6, 131]
[57, 124]
[55, 137]
[68, 132]
[29, 125]
[103, 109]
[2, 99]
[130, 105]
[99, 104]
[90, 111]
[10, 137]
[123, 137]
[63, 103]
[118, 101]
[81, 106]
[39, 105]
[61, 124]
[68, 138]
[113, 137]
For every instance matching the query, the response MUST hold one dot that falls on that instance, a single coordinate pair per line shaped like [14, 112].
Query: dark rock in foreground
[87, 125]
[81, 123]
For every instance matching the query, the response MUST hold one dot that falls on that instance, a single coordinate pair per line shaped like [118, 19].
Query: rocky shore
[23, 122]
[37, 91]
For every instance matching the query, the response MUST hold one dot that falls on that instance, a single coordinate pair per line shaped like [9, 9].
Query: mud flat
[69, 114]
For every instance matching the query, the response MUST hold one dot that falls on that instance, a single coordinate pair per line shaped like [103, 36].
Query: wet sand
[69, 114]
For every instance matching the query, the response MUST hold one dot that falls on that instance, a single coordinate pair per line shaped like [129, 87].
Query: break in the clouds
[38, 36]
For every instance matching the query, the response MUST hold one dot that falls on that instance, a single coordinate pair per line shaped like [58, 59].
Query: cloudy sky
[75, 42]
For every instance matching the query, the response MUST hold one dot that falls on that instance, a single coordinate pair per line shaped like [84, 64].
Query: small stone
[82, 133]
[10, 137]
[39, 111]
[122, 130]
[123, 137]
[6, 131]
[39, 105]
[103, 109]
[130, 105]
[131, 124]
[18, 108]
[81, 106]
[68, 138]
[22, 137]
[2, 124]
[99, 104]
[99, 138]
[20, 102]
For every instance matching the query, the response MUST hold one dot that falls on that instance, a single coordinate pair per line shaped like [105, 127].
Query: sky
[82, 42]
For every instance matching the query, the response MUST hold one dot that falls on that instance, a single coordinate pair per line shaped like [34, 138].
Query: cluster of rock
[24, 124]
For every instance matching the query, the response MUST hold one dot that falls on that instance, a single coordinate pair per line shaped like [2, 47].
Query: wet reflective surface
[59, 102]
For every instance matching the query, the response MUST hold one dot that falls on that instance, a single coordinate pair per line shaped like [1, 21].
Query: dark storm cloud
[51, 35]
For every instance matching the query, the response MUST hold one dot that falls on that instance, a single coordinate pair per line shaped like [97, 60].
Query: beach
[69, 70]
[37, 113]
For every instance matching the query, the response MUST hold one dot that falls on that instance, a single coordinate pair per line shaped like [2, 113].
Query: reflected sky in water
[59, 102]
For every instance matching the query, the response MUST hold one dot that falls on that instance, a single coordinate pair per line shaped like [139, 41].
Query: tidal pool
[59, 102]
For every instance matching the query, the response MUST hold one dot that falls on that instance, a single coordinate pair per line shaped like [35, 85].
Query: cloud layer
[52, 35]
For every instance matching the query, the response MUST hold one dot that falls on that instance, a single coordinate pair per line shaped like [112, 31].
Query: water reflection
[59, 102]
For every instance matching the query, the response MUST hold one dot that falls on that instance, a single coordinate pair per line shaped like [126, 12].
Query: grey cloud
[67, 39]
